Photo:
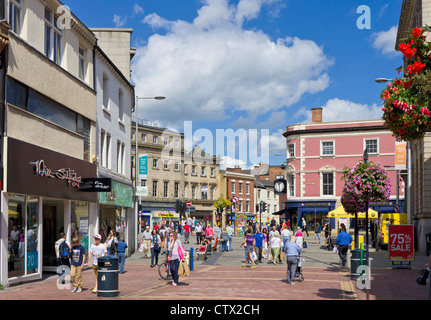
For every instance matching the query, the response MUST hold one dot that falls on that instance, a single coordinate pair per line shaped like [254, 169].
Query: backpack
[64, 250]
[113, 247]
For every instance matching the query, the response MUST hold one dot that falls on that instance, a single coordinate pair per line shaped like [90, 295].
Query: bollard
[191, 259]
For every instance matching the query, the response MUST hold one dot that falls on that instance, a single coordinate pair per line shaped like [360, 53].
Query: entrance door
[53, 225]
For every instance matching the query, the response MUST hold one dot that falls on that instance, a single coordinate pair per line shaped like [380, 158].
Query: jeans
[258, 253]
[285, 241]
[154, 254]
[292, 263]
[342, 252]
[174, 266]
[230, 243]
[224, 245]
[198, 237]
[316, 236]
[121, 260]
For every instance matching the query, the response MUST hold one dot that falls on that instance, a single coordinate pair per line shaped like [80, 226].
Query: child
[78, 258]
[97, 250]
[121, 253]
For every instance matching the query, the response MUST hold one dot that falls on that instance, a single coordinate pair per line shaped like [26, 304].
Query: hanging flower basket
[406, 100]
[363, 183]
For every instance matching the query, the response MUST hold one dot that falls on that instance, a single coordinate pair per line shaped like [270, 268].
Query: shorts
[249, 249]
[95, 269]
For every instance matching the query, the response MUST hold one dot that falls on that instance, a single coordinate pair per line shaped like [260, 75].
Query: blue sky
[254, 64]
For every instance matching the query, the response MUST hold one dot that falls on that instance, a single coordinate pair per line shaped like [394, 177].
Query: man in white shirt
[198, 230]
[230, 232]
[286, 236]
[146, 242]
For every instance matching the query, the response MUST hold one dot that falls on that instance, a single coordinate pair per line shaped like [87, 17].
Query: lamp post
[137, 158]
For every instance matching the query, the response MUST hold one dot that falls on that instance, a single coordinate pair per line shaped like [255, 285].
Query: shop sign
[65, 174]
[96, 185]
[165, 214]
[401, 243]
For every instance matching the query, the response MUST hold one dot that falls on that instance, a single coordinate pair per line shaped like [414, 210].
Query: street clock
[280, 186]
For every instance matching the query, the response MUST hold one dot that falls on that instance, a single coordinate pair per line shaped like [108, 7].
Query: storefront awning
[341, 213]
[279, 213]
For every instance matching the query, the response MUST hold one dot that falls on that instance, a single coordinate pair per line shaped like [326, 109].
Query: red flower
[416, 67]
[417, 32]
[407, 50]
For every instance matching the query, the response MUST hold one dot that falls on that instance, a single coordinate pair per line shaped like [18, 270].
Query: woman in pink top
[209, 232]
[299, 237]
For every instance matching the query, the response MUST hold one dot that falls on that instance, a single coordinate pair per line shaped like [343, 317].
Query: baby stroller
[298, 274]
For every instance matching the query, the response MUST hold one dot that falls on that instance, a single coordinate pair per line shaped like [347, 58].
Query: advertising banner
[401, 243]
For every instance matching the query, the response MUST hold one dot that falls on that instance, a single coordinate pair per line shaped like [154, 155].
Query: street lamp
[382, 80]
[137, 157]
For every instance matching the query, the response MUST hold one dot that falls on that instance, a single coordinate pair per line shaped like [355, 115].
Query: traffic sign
[189, 203]
[235, 199]
[397, 208]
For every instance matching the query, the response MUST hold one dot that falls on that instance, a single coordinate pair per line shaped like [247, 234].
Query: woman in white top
[156, 245]
[109, 245]
[275, 246]
[175, 247]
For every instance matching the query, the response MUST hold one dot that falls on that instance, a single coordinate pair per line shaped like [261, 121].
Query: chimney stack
[316, 115]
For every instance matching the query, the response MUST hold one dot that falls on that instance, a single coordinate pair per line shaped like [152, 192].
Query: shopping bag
[141, 248]
[184, 269]
[422, 279]
[254, 255]
[304, 244]
[334, 250]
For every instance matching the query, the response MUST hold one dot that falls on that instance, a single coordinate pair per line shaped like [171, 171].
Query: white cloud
[344, 110]
[384, 41]
[119, 21]
[137, 9]
[212, 67]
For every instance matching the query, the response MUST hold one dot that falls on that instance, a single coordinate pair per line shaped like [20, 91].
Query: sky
[253, 67]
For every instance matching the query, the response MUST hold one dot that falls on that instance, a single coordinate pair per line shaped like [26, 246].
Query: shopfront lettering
[65, 174]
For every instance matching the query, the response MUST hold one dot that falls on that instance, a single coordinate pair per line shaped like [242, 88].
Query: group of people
[164, 237]
[73, 256]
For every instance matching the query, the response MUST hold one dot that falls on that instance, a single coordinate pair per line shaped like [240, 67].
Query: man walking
[230, 233]
[343, 241]
[146, 242]
[198, 230]
[259, 238]
[317, 230]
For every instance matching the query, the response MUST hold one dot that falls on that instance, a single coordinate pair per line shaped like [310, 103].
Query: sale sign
[401, 246]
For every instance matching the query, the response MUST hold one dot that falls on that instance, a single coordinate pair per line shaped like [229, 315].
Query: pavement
[221, 277]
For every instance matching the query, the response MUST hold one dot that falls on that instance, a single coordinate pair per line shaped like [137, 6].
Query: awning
[279, 213]
[341, 213]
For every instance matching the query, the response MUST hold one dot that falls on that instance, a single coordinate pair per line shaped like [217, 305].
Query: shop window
[23, 236]
[79, 223]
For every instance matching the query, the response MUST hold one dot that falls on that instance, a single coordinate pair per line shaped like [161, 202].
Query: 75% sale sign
[401, 246]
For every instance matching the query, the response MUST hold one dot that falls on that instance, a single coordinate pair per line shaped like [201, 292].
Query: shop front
[41, 199]
[116, 210]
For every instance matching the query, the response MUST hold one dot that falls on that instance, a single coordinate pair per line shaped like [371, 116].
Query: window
[177, 143]
[291, 150]
[328, 184]
[204, 193]
[166, 189]
[143, 137]
[120, 157]
[327, 148]
[154, 163]
[108, 151]
[372, 146]
[15, 7]
[240, 187]
[53, 37]
[291, 185]
[82, 65]
[203, 171]
[176, 189]
[247, 205]
[166, 141]
[105, 92]
[233, 186]
[240, 205]
[212, 172]
[193, 192]
[247, 188]
[177, 166]
[212, 194]
[185, 169]
[120, 105]
[166, 164]
[155, 141]
[154, 188]
[193, 170]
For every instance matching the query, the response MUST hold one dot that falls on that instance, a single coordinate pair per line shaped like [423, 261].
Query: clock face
[279, 186]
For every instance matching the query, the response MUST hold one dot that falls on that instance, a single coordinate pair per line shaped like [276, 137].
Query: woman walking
[299, 237]
[156, 244]
[177, 253]
[249, 241]
[275, 246]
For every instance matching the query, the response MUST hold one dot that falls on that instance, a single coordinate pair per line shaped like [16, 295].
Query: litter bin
[428, 243]
[355, 261]
[107, 276]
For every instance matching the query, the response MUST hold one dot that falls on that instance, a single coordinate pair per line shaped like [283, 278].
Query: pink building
[317, 153]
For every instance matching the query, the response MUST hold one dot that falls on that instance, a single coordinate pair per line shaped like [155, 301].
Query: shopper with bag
[177, 253]
[249, 242]
[156, 244]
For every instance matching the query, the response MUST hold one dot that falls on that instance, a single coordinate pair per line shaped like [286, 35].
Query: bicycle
[164, 270]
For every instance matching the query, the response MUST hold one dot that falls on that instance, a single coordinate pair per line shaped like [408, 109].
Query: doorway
[53, 225]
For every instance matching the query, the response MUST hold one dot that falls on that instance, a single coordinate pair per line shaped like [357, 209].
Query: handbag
[304, 244]
[181, 252]
[184, 269]
[422, 279]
